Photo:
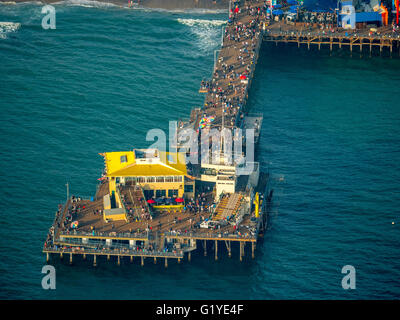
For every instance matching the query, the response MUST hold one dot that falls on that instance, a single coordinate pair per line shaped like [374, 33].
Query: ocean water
[107, 75]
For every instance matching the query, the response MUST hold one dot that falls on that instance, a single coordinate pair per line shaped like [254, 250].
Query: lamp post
[67, 185]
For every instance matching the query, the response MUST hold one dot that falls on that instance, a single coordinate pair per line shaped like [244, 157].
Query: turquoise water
[106, 75]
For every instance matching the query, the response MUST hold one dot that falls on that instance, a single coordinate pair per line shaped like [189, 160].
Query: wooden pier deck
[302, 34]
[228, 93]
[225, 100]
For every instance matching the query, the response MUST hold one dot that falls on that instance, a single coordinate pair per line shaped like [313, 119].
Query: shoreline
[153, 4]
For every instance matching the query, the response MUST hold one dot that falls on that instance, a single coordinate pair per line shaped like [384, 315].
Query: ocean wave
[207, 32]
[86, 4]
[104, 4]
[13, 3]
[7, 27]
[193, 22]
[188, 11]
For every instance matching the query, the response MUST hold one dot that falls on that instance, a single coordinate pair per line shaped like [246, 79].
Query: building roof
[141, 163]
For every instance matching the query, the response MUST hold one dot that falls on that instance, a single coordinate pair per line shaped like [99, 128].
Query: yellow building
[158, 173]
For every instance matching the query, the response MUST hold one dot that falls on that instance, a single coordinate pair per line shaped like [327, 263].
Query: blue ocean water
[107, 75]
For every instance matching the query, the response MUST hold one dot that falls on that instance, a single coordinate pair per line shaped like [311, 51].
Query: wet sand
[162, 4]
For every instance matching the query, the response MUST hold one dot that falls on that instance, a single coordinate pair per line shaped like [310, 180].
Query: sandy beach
[162, 4]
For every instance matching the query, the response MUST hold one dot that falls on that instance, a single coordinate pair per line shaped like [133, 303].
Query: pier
[149, 208]
[168, 232]
[307, 36]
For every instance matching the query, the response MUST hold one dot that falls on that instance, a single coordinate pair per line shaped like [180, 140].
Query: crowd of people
[316, 17]
[228, 87]
[138, 210]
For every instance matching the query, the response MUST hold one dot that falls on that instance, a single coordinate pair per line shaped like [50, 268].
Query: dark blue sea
[106, 75]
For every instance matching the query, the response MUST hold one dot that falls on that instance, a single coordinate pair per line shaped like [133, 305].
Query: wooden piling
[47, 257]
[216, 250]
[119, 260]
[155, 260]
[205, 248]
[94, 261]
[189, 256]
[228, 247]
[142, 261]
[70, 258]
[166, 262]
[253, 246]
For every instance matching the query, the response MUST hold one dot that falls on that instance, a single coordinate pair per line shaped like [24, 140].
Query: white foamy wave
[193, 22]
[22, 3]
[86, 3]
[7, 27]
[39, 3]
[189, 11]
[208, 34]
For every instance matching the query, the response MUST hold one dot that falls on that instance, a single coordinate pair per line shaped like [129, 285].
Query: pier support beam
[242, 244]
[166, 262]
[216, 250]
[142, 261]
[94, 261]
[155, 260]
[47, 257]
[189, 256]
[205, 248]
[253, 246]
[119, 260]
[108, 257]
[370, 47]
[70, 258]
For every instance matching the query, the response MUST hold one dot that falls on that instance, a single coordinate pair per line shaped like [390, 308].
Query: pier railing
[327, 33]
[86, 234]
[103, 251]
[210, 235]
